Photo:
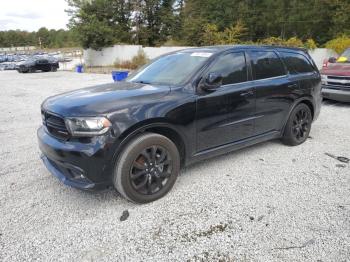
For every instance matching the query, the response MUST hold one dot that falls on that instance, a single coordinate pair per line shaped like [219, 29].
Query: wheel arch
[159, 127]
[310, 105]
[303, 100]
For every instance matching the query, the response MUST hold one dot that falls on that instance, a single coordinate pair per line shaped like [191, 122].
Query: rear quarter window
[297, 63]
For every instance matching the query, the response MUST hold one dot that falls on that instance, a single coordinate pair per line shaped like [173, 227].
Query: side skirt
[223, 149]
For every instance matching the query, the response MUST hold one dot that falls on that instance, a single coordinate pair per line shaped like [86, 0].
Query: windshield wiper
[142, 82]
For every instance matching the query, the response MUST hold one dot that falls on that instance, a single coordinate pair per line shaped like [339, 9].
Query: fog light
[76, 174]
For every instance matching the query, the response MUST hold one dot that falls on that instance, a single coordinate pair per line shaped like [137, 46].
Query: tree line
[99, 23]
[43, 38]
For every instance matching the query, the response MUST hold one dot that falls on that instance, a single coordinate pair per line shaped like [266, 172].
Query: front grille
[339, 77]
[55, 125]
[337, 82]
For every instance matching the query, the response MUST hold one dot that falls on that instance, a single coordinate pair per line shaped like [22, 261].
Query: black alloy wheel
[301, 124]
[298, 126]
[147, 168]
[151, 170]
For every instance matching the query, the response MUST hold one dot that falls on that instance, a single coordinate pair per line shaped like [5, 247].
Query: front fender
[167, 129]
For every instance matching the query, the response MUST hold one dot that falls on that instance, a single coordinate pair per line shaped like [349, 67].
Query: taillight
[325, 63]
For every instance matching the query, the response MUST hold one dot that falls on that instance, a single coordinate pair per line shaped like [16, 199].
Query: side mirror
[332, 60]
[212, 81]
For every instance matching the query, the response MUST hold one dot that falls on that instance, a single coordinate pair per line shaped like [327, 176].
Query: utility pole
[137, 18]
[40, 42]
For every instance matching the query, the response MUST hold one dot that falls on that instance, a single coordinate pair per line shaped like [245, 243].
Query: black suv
[181, 108]
[33, 64]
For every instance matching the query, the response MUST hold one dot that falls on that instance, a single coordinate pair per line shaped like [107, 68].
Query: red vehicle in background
[336, 78]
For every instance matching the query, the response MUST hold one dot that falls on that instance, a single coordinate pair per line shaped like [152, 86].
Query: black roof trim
[228, 47]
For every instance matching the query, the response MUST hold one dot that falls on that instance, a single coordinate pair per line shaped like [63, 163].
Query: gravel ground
[268, 202]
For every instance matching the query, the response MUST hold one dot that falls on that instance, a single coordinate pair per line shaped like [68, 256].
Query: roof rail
[286, 47]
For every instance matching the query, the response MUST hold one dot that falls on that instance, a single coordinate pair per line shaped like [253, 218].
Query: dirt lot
[269, 202]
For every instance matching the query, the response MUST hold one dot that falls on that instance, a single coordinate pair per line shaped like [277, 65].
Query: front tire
[147, 168]
[298, 126]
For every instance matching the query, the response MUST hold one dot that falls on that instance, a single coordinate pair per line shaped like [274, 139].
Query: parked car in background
[181, 108]
[33, 64]
[8, 66]
[336, 78]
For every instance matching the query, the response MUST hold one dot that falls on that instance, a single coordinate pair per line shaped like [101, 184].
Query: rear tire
[298, 126]
[147, 168]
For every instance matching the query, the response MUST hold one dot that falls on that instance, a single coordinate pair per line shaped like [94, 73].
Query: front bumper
[66, 174]
[84, 165]
[336, 94]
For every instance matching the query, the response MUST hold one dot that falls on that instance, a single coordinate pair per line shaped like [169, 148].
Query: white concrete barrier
[118, 53]
[68, 66]
[320, 54]
[153, 52]
[109, 55]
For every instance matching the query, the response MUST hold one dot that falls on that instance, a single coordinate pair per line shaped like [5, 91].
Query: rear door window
[232, 67]
[297, 63]
[266, 64]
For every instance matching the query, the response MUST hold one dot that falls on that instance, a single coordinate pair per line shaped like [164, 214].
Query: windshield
[345, 57]
[171, 69]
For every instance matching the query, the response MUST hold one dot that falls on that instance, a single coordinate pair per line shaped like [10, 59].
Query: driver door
[226, 114]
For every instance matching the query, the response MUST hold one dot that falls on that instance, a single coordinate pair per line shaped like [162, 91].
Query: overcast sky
[30, 15]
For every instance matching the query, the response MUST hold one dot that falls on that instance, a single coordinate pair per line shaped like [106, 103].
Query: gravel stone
[305, 203]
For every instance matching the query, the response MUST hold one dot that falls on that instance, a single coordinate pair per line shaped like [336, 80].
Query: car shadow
[110, 193]
[328, 102]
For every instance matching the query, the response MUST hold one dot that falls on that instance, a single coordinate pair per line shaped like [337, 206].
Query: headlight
[87, 126]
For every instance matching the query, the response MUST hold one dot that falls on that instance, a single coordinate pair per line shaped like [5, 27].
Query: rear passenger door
[274, 90]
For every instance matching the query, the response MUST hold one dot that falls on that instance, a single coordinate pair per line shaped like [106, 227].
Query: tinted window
[297, 63]
[266, 64]
[171, 69]
[232, 67]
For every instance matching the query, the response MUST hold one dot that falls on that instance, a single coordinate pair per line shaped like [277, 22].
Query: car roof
[221, 48]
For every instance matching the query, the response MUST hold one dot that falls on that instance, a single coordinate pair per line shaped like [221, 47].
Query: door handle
[293, 86]
[248, 93]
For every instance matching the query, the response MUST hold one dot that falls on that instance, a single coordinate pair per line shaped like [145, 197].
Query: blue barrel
[119, 75]
[79, 68]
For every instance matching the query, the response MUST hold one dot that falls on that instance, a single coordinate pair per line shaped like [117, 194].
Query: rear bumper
[80, 165]
[336, 94]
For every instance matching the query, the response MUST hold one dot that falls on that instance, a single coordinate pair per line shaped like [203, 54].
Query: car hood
[337, 69]
[103, 99]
